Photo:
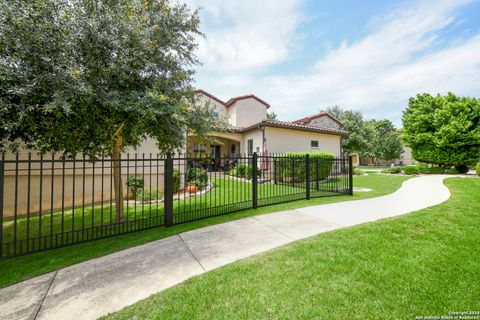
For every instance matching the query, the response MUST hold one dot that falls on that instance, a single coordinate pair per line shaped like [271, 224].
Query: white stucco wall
[217, 106]
[246, 112]
[256, 136]
[285, 140]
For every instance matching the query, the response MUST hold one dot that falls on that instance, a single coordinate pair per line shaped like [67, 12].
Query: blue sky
[302, 56]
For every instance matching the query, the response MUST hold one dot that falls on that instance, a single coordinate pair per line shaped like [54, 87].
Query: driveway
[106, 284]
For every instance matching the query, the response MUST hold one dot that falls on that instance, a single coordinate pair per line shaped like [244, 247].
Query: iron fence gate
[47, 202]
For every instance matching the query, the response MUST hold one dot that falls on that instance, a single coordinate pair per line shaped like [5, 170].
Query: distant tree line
[378, 139]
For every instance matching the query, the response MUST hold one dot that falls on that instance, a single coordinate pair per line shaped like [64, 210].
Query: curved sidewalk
[96, 287]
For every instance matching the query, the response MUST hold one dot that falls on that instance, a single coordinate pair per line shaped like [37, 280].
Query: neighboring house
[250, 131]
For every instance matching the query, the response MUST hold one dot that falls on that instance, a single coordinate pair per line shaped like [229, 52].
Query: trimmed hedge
[358, 172]
[436, 170]
[291, 166]
[411, 170]
[393, 170]
[451, 171]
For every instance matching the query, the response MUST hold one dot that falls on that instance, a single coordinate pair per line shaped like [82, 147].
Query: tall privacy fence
[47, 202]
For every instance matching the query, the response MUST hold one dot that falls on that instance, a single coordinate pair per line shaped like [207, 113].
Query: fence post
[350, 175]
[254, 181]
[168, 191]
[307, 175]
[2, 171]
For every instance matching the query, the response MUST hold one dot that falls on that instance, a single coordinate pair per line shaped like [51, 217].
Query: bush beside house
[292, 167]
[411, 170]
[243, 171]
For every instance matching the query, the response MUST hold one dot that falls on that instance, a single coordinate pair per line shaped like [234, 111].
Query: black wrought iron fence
[47, 202]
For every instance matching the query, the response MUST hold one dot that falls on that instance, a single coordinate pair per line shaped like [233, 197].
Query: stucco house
[248, 130]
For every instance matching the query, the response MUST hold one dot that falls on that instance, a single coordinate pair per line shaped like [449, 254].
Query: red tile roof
[248, 96]
[211, 96]
[288, 125]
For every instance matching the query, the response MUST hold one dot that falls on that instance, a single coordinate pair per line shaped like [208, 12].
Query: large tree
[98, 76]
[359, 137]
[386, 143]
[443, 130]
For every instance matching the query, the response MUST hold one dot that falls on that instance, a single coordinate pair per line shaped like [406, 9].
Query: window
[314, 143]
[250, 147]
[199, 147]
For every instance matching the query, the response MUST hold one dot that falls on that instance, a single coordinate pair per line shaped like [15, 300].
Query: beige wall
[88, 190]
[281, 140]
[246, 112]
[256, 136]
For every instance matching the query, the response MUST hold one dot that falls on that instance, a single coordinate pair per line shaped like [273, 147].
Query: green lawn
[422, 264]
[20, 268]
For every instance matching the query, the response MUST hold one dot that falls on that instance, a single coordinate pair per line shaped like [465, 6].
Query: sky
[303, 56]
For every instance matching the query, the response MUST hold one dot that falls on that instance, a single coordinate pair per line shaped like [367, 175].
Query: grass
[21, 268]
[421, 264]
[225, 194]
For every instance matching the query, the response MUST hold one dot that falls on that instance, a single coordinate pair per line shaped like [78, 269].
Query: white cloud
[246, 35]
[399, 58]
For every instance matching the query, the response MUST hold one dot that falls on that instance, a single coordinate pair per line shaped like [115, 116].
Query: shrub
[437, 170]
[462, 168]
[134, 184]
[411, 170]
[243, 171]
[393, 170]
[478, 169]
[292, 166]
[199, 176]
[148, 194]
[357, 172]
[423, 168]
[176, 180]
[451, 171]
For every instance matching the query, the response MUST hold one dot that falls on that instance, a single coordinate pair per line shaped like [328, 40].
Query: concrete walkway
[106, 284]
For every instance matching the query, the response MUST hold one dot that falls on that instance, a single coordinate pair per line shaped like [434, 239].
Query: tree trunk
[117, 176]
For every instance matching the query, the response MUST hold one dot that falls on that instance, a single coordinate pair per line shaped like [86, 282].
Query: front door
[215, 156]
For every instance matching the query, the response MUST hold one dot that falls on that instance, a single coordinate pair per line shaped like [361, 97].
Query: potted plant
[192, 187]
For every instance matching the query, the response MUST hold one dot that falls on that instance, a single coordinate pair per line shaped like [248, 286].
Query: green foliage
[443, 130]
[271, 115]
[357, 172]
[135, 184]
[176, 180]
[436, 170]
[148, 195]
[462, 168]
[423, 168]
[244, 171]
[292, 166]
[199, 176]
[393, 170]
[411, 170]
[359, 137]
[478, 169]
[76, 74]
[451, 171]
[385, 142]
